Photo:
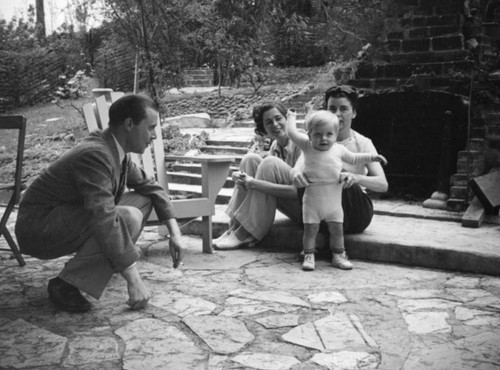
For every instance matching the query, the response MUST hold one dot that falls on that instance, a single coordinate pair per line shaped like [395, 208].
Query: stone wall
[199, 77]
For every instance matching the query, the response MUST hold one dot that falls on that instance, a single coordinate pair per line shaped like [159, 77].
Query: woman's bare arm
[374, 180]
[277, 190]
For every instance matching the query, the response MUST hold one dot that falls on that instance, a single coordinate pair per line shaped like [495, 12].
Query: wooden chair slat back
[159, 156]
[16, 122]
[102, 111]
[90, 117]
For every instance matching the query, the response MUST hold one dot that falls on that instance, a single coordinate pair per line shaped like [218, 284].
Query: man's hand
[176, 250]
[139, 295]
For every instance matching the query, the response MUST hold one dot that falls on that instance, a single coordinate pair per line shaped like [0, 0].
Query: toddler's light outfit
[323, 197]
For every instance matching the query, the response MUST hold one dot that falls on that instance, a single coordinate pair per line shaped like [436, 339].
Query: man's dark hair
[342, 91]
[130, 106]
[258, 114]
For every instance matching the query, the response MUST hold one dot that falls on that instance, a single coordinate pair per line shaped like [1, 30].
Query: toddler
[322, 197]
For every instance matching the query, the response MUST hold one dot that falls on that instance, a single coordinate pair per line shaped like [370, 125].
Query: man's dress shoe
[66, 297]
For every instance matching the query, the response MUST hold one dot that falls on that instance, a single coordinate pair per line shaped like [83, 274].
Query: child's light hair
[321, 117]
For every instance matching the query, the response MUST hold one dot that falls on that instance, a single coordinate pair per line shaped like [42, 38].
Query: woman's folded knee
[250, 162]
[273, 168]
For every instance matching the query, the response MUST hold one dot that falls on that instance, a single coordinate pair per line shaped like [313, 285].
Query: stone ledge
[431, 238]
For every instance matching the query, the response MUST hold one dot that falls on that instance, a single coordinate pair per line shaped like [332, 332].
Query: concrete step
[400, 233]
[244, 123]
[230, 143]
[251, 124]
[224, 149]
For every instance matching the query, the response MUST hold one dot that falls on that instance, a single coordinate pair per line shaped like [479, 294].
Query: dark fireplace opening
[420, 134]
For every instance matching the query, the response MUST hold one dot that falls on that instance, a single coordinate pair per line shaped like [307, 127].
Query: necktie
[122, 181]
[123, 173]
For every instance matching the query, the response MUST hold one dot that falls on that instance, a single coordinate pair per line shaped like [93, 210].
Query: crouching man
[79, 205]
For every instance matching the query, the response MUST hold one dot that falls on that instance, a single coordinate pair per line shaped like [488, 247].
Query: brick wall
[439, 47]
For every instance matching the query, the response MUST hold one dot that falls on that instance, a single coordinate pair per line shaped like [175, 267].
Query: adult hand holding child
[346, 178]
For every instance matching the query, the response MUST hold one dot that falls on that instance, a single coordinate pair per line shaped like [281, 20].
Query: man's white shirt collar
[121, 152]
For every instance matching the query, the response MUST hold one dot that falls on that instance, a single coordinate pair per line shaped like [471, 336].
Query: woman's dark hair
[130, 106]
[258, 114]
[342, 91]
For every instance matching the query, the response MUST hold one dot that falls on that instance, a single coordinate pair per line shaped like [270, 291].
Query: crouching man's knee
[133, 217]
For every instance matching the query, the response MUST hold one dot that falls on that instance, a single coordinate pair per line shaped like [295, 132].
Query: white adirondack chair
[214, 169]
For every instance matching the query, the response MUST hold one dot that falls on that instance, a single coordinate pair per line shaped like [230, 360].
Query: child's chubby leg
[309, 242]
[339, 257]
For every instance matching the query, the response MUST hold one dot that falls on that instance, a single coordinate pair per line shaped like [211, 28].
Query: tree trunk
[149, 60]
[40, 20]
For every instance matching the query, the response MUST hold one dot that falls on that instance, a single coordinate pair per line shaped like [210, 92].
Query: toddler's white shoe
[309, 263]
[341, 261]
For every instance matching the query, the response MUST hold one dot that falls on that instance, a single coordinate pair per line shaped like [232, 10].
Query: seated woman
[262, 184]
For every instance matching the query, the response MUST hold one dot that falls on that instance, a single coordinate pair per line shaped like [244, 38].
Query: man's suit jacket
[89, 178]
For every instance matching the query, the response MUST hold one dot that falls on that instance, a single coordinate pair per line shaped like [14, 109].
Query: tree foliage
[19, 34]
[233, 37]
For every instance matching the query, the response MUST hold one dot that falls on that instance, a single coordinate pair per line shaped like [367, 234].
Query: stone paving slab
[399, 233]
[254, 309]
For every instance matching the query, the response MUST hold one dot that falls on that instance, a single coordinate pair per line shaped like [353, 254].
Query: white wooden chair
[214, 169]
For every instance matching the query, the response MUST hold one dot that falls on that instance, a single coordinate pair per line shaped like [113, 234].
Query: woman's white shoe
[224, 235]
[232, 242]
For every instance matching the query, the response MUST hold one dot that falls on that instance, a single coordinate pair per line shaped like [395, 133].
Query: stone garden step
[230, 143]
[224, 149]
[400, 233]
